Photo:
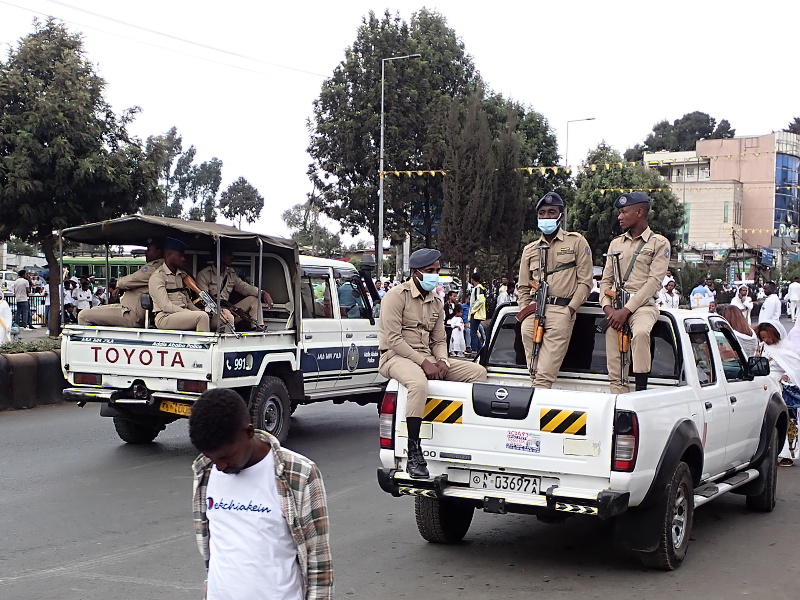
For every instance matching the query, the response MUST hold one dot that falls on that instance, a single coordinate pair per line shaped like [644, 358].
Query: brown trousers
[111, 315]
[641, 323]
[411, 375]
[557, 333]
[184, 320]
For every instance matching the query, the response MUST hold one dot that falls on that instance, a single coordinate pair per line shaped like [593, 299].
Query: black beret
[174, 244]
[550, 199]
[423, 258]
[631, 198]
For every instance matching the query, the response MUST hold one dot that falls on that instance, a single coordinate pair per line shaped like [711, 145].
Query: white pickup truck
[318, 342]
[710, 422]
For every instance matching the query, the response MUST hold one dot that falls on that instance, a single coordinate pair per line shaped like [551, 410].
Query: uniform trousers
[411, 375]
[184, 320]
[111, 315]
[641, 323]
[557, 333]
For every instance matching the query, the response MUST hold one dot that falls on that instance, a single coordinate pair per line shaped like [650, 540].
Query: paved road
[85, 517]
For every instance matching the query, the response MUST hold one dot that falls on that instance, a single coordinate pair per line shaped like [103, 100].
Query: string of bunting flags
[543, 170]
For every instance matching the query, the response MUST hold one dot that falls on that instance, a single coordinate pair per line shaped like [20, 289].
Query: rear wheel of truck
[765, 501]
[676, 525]
[135, 433]
[442, 521]
[270, 407]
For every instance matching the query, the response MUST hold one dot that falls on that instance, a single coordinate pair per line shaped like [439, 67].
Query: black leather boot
[641, 381]
[416, 465]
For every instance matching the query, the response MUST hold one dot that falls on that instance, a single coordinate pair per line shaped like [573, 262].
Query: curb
[30, 379]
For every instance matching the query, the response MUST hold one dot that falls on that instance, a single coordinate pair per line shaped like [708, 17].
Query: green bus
[84, 264]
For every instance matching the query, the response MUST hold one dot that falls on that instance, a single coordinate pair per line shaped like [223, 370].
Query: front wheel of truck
[135, 433]
[270, 407]
[442, 521]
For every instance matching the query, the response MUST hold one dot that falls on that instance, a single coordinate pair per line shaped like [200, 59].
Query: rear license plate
[503, 482]
[176, 408]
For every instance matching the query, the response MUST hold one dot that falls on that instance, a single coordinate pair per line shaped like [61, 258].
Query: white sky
[628, 64]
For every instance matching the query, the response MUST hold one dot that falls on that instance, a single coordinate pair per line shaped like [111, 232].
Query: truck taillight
[88, 379]
[388, 409]
[189, 385]
[626, 441]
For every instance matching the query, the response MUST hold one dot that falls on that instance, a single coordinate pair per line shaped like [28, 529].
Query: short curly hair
[217, 418]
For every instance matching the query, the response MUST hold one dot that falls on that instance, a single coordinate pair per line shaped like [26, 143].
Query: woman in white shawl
[744, 333]
[784, 367]
[743, 302]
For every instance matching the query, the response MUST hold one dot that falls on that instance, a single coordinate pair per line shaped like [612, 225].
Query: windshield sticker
[523, 441]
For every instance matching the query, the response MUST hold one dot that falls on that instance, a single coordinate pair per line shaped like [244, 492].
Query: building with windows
[737, 193]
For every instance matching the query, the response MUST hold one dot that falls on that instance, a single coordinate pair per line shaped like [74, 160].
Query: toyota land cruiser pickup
[710, 422]
[308, 347]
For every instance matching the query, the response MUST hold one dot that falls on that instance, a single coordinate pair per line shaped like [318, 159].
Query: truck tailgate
[517, 428]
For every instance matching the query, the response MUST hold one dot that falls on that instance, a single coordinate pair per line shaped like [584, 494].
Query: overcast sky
[628, 64]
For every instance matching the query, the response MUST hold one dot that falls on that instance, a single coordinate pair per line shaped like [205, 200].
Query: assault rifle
[540, 299]
[210, 306]
[619, 297]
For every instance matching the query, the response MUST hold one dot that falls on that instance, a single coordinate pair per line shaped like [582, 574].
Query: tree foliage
[241, 201]
[308, 233]
[593, 213]
[345, 129]
[186, 189]
[65, 157]
[681, 135]
[793, 126]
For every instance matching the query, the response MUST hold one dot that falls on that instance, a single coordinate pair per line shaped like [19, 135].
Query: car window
[733, 362]
[701, 350]
[316, 295]
[350, 300]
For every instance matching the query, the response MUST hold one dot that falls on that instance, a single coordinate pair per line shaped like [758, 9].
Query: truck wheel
[135, 433]
[270, 407]
[442, 521]
[676, 526]
[765, 501]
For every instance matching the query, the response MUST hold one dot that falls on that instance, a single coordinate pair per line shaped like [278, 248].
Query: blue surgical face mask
[429, 281]
[548, 226]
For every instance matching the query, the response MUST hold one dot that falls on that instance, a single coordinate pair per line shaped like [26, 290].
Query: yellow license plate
[183, 410]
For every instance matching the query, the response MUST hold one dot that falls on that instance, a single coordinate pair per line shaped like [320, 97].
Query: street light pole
[379, 249]
[566, 150]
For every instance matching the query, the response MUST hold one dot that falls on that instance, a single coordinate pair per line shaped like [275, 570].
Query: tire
[442, 521]
[270, 407]
[765, 501]
[676, 526]
[135, 433]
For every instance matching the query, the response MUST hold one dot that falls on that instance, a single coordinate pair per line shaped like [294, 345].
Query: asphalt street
[85, 517]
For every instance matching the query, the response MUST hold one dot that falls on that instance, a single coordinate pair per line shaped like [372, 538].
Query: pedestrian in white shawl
[784, 366]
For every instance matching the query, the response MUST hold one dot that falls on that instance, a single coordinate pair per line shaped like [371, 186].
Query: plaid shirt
[304, 508]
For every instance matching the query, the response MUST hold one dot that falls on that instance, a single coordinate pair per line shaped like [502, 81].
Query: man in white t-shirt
[260, 510]
[793, 296]
[771, 308]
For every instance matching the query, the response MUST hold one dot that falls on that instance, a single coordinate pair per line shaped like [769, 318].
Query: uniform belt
[173, 290]
[384, 351]
[558, 301]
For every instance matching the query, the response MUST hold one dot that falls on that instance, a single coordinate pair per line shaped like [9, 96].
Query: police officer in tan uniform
[172, 305]
[644, 262]
[230, 281]
[569, 275]
[413, 346]
[129, 311]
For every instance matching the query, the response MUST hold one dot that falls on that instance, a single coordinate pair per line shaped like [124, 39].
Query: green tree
[304, 219]
[345, 129]
[681, 135]
[241, 201]
[593, 213]
[65, 157]
[17, 246]
[186, 189]
[793, 126]
[468, 187]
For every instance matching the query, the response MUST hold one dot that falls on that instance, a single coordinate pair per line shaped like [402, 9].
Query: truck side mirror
[758, 366]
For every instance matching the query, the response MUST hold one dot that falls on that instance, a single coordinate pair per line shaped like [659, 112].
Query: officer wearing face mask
[413, 346]
[569, 273]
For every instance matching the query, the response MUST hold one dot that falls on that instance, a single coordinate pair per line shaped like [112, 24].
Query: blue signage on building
[767, 257]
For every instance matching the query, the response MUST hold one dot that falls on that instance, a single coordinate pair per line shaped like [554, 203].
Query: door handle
[709, 405]
[733, 399]
[372, 336]
[348, 335]
[308, 336]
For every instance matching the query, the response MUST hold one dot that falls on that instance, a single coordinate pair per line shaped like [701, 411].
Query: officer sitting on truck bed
[172, 305]
[129, 311]
[413, 346]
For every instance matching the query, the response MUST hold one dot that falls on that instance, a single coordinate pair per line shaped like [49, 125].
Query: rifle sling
[633, 261]
[563, 267]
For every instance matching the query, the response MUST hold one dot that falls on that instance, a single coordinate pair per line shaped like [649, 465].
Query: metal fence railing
[36, 307]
